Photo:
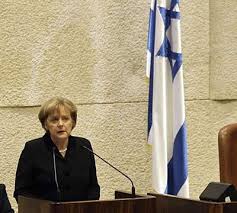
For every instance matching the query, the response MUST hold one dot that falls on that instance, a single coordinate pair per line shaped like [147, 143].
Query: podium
[173, 204]
[123, 203]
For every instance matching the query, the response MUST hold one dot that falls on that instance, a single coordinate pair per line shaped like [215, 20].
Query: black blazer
[5, 206]
[75, 173]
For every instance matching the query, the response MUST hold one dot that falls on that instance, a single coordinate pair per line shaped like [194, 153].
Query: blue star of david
[165, 49]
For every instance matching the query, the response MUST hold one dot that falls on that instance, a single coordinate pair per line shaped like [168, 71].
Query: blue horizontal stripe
[178, 165]
[151, 30]
[151, 43]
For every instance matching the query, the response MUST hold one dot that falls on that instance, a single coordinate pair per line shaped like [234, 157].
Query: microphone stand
[133, 188]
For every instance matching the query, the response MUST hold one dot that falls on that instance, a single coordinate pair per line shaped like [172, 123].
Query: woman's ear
[45, 126]
[73, 125]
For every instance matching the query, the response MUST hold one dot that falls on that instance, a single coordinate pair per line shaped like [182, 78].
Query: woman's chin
[61, 136]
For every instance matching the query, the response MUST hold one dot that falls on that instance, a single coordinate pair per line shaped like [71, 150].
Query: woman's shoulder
[34, 142]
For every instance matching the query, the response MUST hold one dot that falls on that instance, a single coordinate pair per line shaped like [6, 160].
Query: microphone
[55, 176]
[133, 188]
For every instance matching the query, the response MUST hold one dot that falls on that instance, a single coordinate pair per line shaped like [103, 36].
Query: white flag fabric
[166, 111]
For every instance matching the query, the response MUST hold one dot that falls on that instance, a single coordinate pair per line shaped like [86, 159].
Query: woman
[56, 166]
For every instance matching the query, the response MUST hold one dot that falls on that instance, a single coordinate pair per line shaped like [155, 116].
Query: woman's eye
[65, 118]
[53, 119]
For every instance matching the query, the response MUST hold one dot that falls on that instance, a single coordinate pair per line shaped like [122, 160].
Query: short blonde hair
[53, 104]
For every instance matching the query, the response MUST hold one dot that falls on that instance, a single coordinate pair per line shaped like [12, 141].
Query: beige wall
[94, 52]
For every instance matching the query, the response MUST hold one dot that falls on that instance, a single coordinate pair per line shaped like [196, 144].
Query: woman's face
[59, 124]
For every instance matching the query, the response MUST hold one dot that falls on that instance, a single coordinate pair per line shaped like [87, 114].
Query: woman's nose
[60, 122]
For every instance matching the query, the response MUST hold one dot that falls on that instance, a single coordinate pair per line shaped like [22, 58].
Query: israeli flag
[166, 111]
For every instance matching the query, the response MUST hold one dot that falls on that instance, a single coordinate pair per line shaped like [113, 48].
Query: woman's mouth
[61, 131]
